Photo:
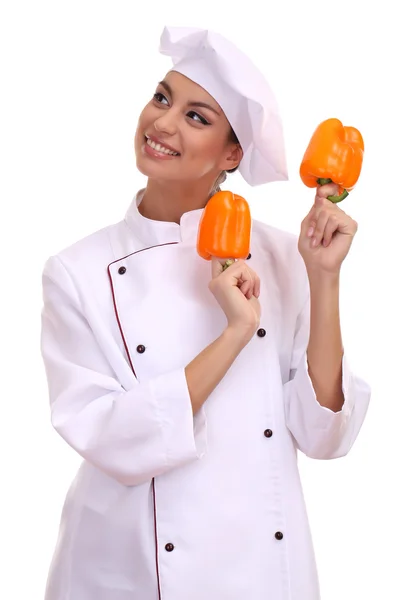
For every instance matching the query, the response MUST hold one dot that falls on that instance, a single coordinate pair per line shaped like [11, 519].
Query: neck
[168, 201]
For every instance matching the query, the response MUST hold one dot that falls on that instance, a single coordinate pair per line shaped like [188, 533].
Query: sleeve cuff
[185, 435]
[306, 392]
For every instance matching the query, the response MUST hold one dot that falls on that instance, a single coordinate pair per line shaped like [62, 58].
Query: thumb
[216, 266]
[329, 189]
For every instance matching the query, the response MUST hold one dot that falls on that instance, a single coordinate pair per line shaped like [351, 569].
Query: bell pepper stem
[334, 199]
[228, 263]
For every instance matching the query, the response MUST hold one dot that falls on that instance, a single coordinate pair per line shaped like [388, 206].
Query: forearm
[205, 372]
[325, 348]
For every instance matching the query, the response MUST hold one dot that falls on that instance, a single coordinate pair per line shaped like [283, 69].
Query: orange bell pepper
[335, 154]
[225, 227]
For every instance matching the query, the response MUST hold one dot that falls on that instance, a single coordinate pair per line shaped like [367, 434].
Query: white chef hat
[241, 90]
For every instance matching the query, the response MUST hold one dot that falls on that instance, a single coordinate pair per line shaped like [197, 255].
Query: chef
[187, 388]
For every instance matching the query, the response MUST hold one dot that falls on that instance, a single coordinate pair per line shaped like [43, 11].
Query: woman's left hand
[326, 233]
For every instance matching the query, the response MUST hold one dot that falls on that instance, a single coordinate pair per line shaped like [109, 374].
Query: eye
[159, 97]
[198, 118]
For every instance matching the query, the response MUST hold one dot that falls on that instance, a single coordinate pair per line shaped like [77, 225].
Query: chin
[149, 169]
[152, 171]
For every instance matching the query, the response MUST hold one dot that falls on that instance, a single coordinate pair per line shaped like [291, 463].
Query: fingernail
[310, 232]
[314, 242]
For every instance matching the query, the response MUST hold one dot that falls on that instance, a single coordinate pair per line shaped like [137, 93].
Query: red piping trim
[156, 537]
[119, 322]
[142, 250]
[115, 302]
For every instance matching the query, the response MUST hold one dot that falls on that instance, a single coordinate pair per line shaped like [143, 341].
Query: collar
[153, 233]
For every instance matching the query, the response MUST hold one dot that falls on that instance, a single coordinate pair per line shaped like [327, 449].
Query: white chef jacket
[167, 506]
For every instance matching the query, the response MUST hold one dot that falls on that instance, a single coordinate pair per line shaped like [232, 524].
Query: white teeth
[160, 148]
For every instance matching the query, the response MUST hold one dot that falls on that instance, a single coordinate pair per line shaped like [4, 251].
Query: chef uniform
[167, 506]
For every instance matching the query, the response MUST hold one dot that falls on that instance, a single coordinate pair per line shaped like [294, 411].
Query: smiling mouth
[160, 148]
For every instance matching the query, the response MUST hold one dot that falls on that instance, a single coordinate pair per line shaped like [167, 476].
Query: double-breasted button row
[268, 432]
[122, 270]
[170, 547]
[262, 333]
[140, 348]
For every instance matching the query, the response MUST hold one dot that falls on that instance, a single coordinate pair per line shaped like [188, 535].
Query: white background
[74, 77]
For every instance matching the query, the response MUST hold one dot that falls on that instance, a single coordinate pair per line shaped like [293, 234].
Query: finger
[247, 289]
[309, 222]
[240, 272]
[309, 230]
[330, 228]
[323, 218]
[245, 278]
[255, 288]
[309, 216]
[246, 282]
[330, 189]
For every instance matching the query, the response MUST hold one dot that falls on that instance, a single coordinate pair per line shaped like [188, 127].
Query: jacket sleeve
[132, 435]
[318, 431]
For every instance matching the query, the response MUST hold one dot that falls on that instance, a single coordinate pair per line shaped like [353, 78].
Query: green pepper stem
[334, 199]
[228, 263]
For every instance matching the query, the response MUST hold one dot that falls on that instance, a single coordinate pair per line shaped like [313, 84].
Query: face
[183, 134]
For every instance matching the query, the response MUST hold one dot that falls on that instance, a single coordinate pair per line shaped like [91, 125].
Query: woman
[189, 422]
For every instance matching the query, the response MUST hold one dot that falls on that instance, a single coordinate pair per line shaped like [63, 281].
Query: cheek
[139, 127]
[204, 146]
[144, 118]
[142, 125]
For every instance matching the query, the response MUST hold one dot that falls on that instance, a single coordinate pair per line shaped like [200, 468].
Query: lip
[158, 141]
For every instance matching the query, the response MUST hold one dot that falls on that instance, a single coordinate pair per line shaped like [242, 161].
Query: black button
[279, 535]
[169, 547]
[261, 333]
[268, 433]
[249, 256]
[141, 348]
[122, 270]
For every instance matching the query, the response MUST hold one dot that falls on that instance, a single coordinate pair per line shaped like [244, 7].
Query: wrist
[322, 279]
[237, 337]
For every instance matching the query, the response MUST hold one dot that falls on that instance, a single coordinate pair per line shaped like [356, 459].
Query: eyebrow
[198, 104]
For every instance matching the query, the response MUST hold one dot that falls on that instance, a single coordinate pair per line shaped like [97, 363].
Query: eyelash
[158, 96]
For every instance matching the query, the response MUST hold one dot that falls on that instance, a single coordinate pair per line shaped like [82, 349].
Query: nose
[166, 123]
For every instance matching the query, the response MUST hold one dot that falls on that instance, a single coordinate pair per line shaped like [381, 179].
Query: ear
[233, 157]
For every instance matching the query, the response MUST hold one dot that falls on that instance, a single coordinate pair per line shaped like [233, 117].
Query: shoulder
[283, 245]
[85, 256]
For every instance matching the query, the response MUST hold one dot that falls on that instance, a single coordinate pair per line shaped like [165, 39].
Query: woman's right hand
[237, 290]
